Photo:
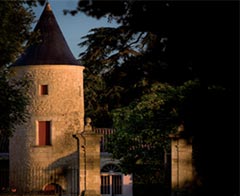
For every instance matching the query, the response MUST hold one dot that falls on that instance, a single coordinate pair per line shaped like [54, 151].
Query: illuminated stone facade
[63, 106]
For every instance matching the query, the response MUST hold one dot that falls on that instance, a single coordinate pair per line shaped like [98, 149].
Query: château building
[57, 151]
[55, 139]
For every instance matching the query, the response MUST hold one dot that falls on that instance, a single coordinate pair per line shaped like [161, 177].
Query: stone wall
[63, 107]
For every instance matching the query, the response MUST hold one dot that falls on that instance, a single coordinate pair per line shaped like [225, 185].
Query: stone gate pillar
[90, 161]
[182, 169]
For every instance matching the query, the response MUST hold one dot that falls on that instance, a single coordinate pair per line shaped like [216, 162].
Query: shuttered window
[44, 133]
[111, 184]
[105, 185]
[117, 184]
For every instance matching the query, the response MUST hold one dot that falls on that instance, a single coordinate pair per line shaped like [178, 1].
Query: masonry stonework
[63, 107]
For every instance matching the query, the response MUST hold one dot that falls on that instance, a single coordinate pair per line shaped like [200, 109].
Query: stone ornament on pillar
[88, 126]
[180, 128]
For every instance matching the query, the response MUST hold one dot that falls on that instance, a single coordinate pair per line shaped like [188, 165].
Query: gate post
[182, 169]
[90, 165]
[78, 163]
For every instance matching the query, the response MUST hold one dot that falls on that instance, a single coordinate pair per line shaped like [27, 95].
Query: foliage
[15, 26]
[170, 43]
[95, 101]
[13, 102]
[143, 127]
[130, 57]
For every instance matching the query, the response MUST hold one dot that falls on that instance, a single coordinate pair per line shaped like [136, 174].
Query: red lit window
[43, 89]
[44, 133]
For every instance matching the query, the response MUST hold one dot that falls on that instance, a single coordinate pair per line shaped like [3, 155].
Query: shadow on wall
[69, 161]
[65, 173]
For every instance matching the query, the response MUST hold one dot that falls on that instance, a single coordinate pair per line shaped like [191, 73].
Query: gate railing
[38, 181]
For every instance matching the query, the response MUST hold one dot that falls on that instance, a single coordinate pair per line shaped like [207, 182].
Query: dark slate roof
[52, 47]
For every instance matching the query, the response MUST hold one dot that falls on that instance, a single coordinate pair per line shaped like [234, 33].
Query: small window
[44, 133]
[43, 89]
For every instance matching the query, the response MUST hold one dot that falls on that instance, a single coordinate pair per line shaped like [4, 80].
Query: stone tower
[56, 109]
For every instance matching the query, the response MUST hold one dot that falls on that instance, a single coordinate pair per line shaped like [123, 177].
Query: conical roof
[52, 49]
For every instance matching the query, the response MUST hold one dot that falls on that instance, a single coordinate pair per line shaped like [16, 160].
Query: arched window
[111, 180]
[111, 168]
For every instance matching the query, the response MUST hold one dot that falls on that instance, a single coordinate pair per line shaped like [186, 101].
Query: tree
[96, 106]
[13, 102]
[175, 42]
[15, 26]
[144, 125]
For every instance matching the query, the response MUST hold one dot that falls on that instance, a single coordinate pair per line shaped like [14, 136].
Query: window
[43, 89]
[111, 180]
[111, 184]
[117, 184]
[44, 133]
